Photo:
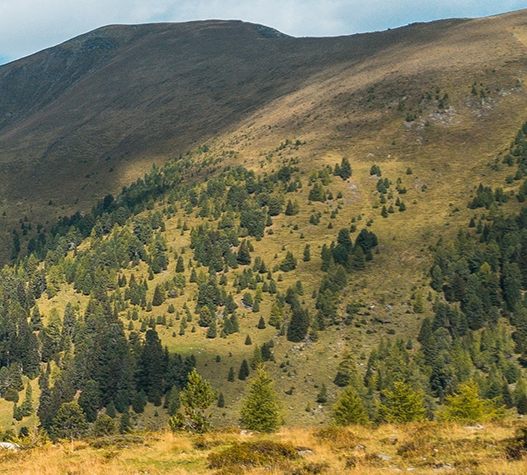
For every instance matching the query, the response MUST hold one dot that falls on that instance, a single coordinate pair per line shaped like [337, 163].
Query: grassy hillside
[110, 103]
[348, 211]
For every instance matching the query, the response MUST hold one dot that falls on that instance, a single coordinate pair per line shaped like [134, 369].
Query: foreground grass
[420, 448]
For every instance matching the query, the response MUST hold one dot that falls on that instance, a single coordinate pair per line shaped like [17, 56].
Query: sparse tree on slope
[261, 410]
[349, 409]
[196, 398]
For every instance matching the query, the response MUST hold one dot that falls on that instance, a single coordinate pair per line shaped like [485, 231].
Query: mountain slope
[90, 115]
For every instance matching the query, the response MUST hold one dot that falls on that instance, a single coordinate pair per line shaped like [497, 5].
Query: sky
[28, 26]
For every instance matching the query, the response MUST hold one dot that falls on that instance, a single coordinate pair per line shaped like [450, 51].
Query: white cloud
[27, 26]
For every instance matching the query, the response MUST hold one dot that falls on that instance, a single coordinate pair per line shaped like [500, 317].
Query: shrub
[253, 454]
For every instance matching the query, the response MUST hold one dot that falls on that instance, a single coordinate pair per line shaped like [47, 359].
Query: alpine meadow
[227, 250]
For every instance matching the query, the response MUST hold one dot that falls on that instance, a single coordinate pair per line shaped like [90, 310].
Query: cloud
[27, 26]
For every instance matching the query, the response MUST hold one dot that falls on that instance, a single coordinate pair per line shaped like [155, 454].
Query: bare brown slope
[122, 94]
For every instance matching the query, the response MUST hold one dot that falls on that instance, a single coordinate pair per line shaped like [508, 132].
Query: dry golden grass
[420, 448]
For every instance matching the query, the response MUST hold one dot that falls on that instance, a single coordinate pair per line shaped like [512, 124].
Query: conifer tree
[244, 371]
[212, 331]
[322, 396]
[345, 169]
[196, 398]
[159, 296]
[90, 400]
[110, 410]
[205, 317]
[299, 325]
[172, 401]
[261, 410]
[180, 265]
[139, 402]
[349, 409]
[289, 262]
[243, 255]
[403, 404]
[221, 400]
[104, 426]
[307, 253]
[230, 376]
[70, 422]
[26, 408]
[317, 193]
[466, 406]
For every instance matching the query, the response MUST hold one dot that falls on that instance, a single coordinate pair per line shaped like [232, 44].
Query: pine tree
[345, 169]
[289, 262]
[212, 331]
[90, 400]
[104, 426]
[349, 409]
[261, 410]
[70, 422]
[139, 402]
[322, 396]
[221, 400]
[172, 401]
[243, 256]
[125, 423]
[195, 401]
[307, 253]
[261, 324]
[159, 296]
[244, 371]
[230, 376]
[403, 404]
[299, 325]
[180, 265]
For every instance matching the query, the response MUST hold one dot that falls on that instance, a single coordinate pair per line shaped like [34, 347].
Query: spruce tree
[307, 253]
[180, 265]
[349, 409]
[221, 400]
[261, 410]
[172, 401]
[244, 371]
[139, 402]
[69, 423]
[322, 396]
[345, 169]
[299, 325]
[125, 423]
[104, 426]
[289, 263]
[90, 400]
[212, 331]
[230, 376]
[243, 256]
[159, 296]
